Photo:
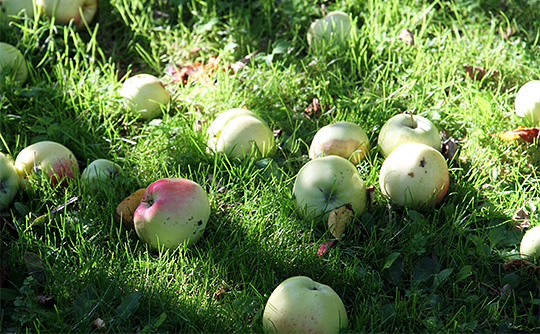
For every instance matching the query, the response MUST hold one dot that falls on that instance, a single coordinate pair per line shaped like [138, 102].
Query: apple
[404, 128]
[172, 211]
[100, 173]
[54, 159]
[346, 139]
[414, 175]
[145, 95]
[527, 102]
[63, 11]
[15, 7]
[530, 243]
[334, 28]
[12, 62]
[301, 305]
[327, 183]
[239, 133]
[9, 181]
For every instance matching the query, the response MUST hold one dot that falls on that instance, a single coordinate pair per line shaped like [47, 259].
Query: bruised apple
[53, 159]
[346, 139]
[172, 211]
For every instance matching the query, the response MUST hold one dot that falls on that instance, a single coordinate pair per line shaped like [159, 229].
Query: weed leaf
[129, 304]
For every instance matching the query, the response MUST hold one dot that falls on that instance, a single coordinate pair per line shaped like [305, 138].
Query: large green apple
[12, 63]
[240, 133]
[404, 128]
[327, 183]
[173, 211]
[99, 174]
[9, 181]
[64, 11]
[414, 175]
[54, 159]
[346, 139]
[301, 305]
[530, 243]
[336, 28]
[15, 7]
[145, 95]
[527, 102]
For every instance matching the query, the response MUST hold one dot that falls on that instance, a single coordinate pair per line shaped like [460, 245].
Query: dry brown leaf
[522, 264]
[314, 109]
[407, 36]
[243, 62]
[525, 133]
[521, 219]
[196, 71]
[125, 210]
[478, 72]
[99, 325]
[46, 301]
[339, 219]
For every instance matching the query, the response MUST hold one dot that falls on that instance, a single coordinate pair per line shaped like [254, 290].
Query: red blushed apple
[172, 211]
[54, 159]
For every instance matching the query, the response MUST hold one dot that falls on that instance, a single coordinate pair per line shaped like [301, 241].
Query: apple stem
[413, 124]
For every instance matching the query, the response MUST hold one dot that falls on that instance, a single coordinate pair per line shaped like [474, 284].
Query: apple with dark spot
[173, 211]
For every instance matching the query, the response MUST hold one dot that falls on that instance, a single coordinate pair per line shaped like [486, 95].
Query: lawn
[67, 265]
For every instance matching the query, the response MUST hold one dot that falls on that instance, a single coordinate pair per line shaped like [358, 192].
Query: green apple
[145, 95]
[530, 243]
[527, 102]
[64, 11]
[54, 159]
[346, 139]
[334, 28]
[301, 305]
[99, 174]
[15, 7]
[404, 128]
[240, 133]
[12, 63]
[173, 211]
[414, 175]
[326, 183]
[9, 181]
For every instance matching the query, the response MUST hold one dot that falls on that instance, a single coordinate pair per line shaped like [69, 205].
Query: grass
[397, 270]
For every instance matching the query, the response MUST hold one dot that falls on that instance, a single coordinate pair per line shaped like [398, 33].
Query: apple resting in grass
[12, 63]
[414, 175]
[172, 211]
[527, 102]
[100, 174]
[301, 305]
[239, 133]
[530, 243]
[64, 11]
[145, 95]
[405, 128]
[54, 159]
[9, 181]
[327, 183]
[15, 7]
[336, 28]
[346, 139]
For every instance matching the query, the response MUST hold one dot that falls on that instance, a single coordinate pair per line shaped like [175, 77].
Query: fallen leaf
[522, 264]
[478, 72]
[243, 62]
[449, 146]
[407, 36]
[314, 109]
[220, 293]
[521, 219]
[324, 246]
[370, 194]
[525, 133]
[99, 325]
[46, 301]
[124, 211]
[197, 71]
[339, 219]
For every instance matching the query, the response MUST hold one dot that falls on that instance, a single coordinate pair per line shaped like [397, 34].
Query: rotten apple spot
[199, 223]
[423, 162]
[411, 174]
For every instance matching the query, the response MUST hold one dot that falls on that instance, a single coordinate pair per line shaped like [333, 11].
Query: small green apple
[404, 128]
[326, 183]
[414, 175]
[9, 181]
[530, 243]
[240, 133]
[346, 139]
[145, 95]
[100, 173]
[54, 159]
[12, 63]
[64, 11]
[301, 305]
[15, 7]
[527, 102]
[334, 28]
[172, 211]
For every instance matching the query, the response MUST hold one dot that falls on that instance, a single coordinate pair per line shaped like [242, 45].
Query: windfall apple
[173, 211]
[53, 159]
[527, 102]
[9, 181]
[63, 11]
[301, 305]
[99, 174]
[414, 175]
[335, 28]
[13, 8]
[530, 244]
[12, 63]
[145, 95]
[327, 183]
[346, 139]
